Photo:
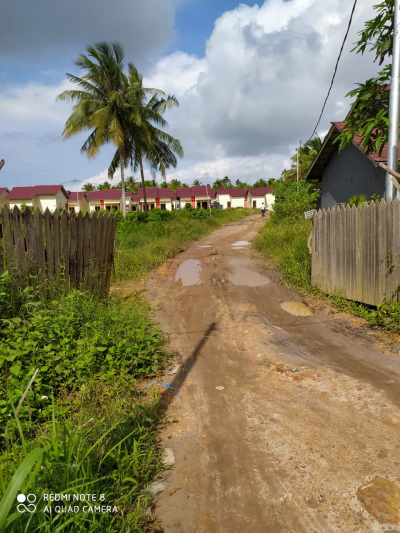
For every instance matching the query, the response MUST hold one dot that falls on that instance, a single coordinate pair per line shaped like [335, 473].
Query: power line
[337, 63]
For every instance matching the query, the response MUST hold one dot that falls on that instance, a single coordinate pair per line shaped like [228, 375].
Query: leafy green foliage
[293, 200]
[380, 30]
[306, 155]
[70, 340]
[369, 114]
[360, 199]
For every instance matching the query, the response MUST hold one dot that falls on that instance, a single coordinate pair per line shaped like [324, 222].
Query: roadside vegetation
[143, 243]
[283, 241]
[86, 423]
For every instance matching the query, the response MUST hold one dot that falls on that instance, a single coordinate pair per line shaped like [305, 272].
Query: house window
[163, 206]
[198, 204]
[134, 208]
[204, 205]
[97, 208]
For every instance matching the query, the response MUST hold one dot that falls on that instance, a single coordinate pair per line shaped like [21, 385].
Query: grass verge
[143, 244]
[284, 244]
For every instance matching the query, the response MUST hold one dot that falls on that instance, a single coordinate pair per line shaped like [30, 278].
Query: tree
[132, 185]
[145, 142]
[89, 187]
[103, 186]
[196, 183]
[224, 183]
[260, 183]
[307, 153]
[241, 184]
[369, 114]
[292, 200]
[101, 103]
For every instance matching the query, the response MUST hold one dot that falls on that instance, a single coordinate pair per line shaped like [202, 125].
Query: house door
[254, 203]
[229, 204]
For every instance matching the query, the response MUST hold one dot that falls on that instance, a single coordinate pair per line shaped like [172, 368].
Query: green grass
[84, 427]
[284, 244]
[142, 246]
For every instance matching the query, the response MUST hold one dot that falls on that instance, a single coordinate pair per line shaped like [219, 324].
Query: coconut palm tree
[146, 142]
[197, 183]
[101, 103]
[307, 153]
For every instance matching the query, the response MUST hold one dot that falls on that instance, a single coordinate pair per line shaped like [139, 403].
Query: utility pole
[394, 106]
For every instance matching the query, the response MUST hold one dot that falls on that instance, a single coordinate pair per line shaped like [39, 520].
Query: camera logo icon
[30, 507]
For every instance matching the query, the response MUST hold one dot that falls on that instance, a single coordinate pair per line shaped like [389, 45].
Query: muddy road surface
[281, 409]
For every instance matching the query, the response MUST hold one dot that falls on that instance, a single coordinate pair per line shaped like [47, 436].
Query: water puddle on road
[205, 246]
[244, 275]
[241, 243]
[296, 308]
[189, 273]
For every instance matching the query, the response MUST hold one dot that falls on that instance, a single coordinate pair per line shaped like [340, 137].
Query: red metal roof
[73, 194]
[260, 191]
[232, 192]
[358, 141]
[156, 192]
[201, 190]
[3, 189]
[106, 194]
[135, 197]
[27, 193]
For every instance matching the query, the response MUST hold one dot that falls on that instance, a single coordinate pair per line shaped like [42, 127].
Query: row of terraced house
[56, 196]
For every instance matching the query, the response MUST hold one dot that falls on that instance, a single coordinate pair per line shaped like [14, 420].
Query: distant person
[262, 210]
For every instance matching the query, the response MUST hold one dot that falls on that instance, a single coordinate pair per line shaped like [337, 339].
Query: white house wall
[223, 200]
[19, 203]
[237, 201]
[269, 201]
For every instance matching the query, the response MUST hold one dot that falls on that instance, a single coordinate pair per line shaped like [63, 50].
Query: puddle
[381, 498]
[239, 248]
[296, 308]
[243, 275]
[189, 273]
[241, 243]
[205, 246]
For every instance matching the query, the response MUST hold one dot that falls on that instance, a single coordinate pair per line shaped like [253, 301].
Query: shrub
[293, 200]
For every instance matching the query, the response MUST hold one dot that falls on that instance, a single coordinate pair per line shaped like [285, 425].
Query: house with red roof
[200, 196]
[3, 193]
[107, 199]
[231, 197]
[77, 201]
[41, 196]
[257, 196]
[348, 173]
[156, 197]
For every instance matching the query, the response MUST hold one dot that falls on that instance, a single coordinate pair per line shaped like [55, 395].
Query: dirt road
[276, 420]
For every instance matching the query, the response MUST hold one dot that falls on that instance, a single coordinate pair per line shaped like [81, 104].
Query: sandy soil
[279, 412]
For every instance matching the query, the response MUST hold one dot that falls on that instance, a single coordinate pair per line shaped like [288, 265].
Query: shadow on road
[185, 369]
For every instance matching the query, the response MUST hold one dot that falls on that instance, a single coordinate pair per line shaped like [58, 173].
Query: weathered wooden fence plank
[30, 242]
[2, 266]
[72, 250]
[86, 240]
[41, 259]
[48, 233]
[19, 241]
[57, 246]
[8, 239]
[79, 249]
[65, 246]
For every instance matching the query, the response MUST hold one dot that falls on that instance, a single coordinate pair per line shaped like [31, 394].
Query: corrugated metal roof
[106, 194]
[260, 191]
[27, 193]
[156, 192]
[73, 195]
[232, 192]
[3, 189]
[201, 190]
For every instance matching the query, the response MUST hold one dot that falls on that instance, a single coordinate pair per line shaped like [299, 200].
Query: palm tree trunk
[122, 161]
[143, 184]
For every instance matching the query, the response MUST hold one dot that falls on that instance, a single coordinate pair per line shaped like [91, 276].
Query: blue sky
[250, 78]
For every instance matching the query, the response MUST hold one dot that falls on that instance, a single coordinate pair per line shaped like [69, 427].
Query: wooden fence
[356, 251]
[54, 250]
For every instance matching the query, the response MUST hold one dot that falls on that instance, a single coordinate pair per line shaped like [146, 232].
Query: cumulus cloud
[264, 79]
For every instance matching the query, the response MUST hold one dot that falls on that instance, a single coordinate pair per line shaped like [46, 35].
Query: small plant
[358, 200]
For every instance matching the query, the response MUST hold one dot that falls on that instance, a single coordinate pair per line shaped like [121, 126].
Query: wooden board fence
[356, 251]
[54, 250]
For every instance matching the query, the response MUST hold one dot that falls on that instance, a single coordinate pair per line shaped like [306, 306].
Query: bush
[71, 340]
[292, 201]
